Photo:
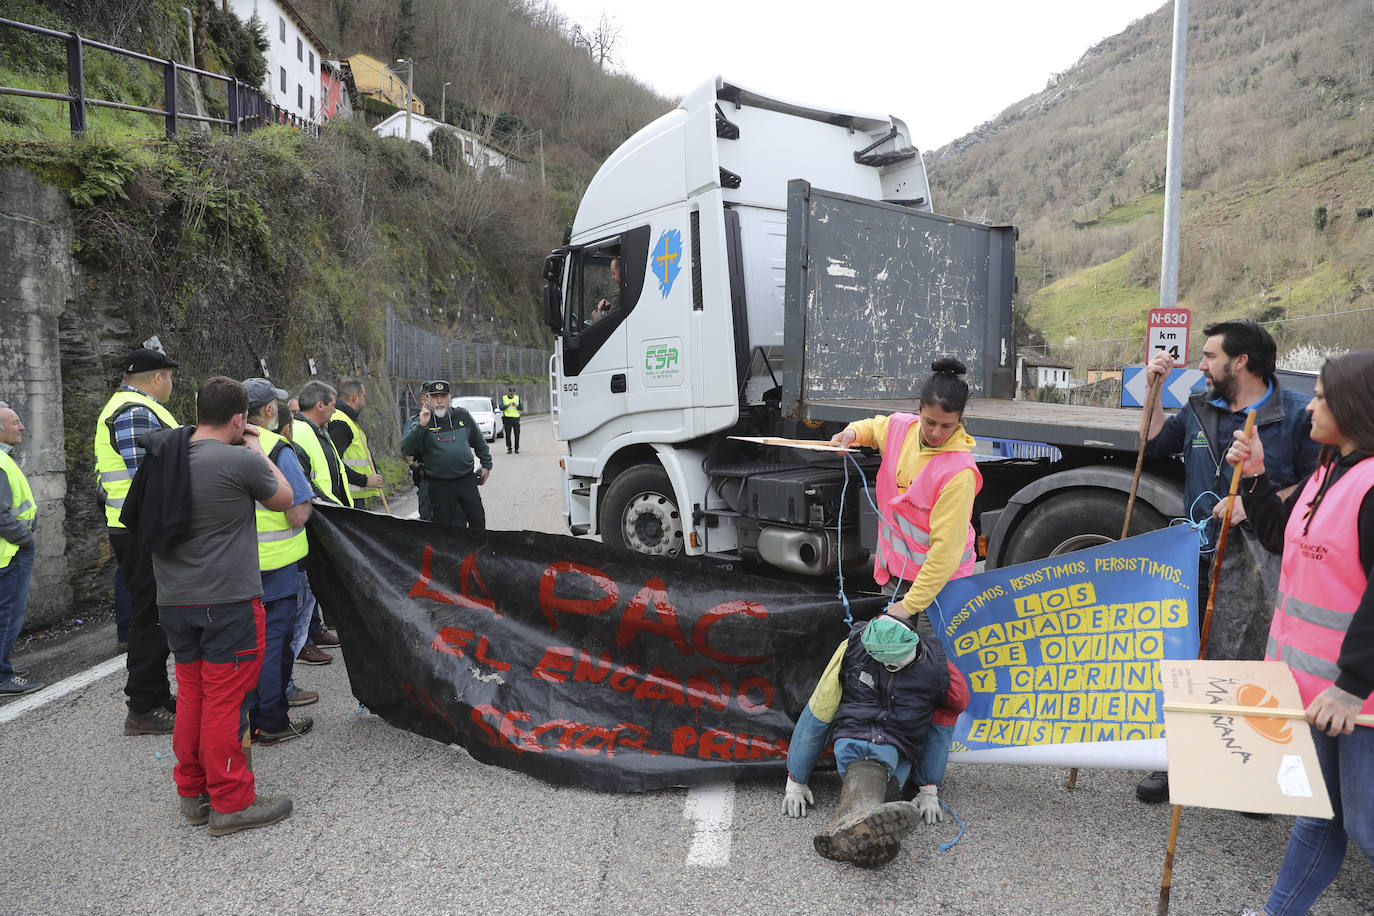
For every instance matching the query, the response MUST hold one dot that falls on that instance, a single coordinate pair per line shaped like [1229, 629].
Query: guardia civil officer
[448, 441]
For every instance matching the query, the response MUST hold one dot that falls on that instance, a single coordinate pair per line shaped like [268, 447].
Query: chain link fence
[416, 354]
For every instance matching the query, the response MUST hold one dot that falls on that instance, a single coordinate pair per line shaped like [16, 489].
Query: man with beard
[1238, 361]
[448, 441]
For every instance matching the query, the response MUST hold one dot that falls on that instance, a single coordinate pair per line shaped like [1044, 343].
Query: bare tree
[601, 41]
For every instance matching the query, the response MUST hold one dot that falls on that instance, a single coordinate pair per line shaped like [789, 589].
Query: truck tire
[639, 513]
[1073, 521]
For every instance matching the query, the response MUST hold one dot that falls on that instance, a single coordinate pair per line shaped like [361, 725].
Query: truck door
[602, 289]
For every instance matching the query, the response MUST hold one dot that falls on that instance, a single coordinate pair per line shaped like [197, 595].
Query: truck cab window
[605, 282]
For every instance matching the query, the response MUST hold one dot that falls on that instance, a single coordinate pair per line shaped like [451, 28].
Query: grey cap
[262, 392]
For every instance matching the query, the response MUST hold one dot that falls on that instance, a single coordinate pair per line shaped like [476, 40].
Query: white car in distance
[484, 412]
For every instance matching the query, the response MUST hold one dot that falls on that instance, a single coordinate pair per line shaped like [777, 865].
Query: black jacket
[158, 507]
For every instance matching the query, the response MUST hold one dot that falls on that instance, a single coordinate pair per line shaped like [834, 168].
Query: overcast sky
[943, 66]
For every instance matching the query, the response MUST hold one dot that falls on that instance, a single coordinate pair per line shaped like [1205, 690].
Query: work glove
[797, 797]
[928, 803]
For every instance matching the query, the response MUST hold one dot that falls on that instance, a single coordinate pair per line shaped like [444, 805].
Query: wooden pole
[1206, 629]
[1202, 652]
[1253, 712]
[1152, 395]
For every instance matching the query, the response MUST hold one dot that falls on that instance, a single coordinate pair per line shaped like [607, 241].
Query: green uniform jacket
[447, 445]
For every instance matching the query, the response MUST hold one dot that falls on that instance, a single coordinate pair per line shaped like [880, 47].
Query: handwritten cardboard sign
[1230, 760]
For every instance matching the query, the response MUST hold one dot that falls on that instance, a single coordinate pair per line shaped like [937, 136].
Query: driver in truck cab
[605, 307]
[926, 484]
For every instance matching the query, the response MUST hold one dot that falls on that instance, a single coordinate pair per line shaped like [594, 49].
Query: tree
[600, 41]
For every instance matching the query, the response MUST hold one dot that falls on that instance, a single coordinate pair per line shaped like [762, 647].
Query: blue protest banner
[1061, 654]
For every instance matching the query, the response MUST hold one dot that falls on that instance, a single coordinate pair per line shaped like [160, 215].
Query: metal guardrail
[248, 107]
[416, 354]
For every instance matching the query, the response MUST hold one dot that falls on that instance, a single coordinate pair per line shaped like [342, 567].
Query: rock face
[36, 281]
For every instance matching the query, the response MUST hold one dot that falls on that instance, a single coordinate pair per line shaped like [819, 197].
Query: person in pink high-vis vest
[1323, 624]
[926, 485]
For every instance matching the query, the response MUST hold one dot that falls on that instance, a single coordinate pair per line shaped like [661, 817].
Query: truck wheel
[1072, 522]
[639, 513]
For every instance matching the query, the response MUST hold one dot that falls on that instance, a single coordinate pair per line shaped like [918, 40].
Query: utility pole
[541, 156]
[410, 81]
[443, 103]
[1173, 170]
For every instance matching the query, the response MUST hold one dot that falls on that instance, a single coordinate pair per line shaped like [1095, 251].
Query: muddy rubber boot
[866, 830]
[849, 836]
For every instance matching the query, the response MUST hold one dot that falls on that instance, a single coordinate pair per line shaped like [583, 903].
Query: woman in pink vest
[926, 485]
[1324, 616]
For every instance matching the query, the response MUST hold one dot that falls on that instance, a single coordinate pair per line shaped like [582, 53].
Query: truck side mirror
[553, 307]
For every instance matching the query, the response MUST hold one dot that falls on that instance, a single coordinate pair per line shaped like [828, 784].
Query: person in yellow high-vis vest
[18, 514]
[346, 432]
[133, 411]
[316, 403]
[282, 545]
[510, 418]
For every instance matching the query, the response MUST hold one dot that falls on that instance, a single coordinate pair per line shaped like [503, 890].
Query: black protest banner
[570, 661]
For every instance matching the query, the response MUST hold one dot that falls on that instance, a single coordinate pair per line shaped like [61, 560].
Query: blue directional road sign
[1177, 387]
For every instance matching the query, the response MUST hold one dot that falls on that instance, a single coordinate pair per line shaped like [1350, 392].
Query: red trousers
[218, 651]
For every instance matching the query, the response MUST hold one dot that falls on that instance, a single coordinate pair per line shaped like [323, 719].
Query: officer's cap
[438, 386]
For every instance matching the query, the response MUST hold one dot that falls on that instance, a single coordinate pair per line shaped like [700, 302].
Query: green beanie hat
[889, 641]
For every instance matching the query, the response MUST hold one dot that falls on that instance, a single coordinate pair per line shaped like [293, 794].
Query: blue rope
[1200, 526]
[839, 529]
[946, 847]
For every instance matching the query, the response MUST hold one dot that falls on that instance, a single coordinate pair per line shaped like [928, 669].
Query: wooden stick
[1151, 396]
[1221, 547]
[1202, 653]
[1168, 881]
[1257, 712]
[819, 445]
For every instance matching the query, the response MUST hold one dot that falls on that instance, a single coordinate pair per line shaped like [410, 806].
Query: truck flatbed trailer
[1064, 425]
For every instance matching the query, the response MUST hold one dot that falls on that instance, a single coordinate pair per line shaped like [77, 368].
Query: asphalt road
[388, 822]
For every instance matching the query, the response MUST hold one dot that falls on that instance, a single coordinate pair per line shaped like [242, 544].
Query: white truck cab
[667, 301]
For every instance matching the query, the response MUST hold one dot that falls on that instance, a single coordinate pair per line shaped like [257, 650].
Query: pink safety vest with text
[1321, 582]
[904, 540]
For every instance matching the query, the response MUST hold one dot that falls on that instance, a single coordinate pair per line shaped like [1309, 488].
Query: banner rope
[839, 541]
[1200, 526]
[946, 847]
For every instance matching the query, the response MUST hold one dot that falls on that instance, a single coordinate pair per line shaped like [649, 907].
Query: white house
[478, 155]
[1036, 371]
[293, 56]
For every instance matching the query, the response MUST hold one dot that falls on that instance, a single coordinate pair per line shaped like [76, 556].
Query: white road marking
[13, 710]
[713, 809]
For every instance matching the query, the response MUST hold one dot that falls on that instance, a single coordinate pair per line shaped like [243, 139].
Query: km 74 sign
[1169, 332]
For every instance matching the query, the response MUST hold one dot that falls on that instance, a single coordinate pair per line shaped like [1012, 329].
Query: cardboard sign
[1230, 760]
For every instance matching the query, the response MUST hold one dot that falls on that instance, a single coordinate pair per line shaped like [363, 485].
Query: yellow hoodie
[949, 518]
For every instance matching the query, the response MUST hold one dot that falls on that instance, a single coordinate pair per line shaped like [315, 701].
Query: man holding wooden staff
[1238, 361]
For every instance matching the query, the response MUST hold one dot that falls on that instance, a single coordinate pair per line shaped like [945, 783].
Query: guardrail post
[169, 79]
[76, 85]
[233, 93]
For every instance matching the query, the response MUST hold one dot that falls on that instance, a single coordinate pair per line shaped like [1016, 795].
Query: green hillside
[1279, 128]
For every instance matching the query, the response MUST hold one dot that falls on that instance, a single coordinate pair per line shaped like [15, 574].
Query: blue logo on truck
[666, 260]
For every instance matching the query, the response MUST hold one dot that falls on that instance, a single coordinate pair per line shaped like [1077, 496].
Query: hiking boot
[18, 685]
[196, 809]
[262, 812]
[294, 729]
[326, 638]
[1154, 788]
[312, 654]
[298, 697]
[156, 721]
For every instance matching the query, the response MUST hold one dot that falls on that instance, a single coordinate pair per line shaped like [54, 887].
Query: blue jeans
[277, 659]
[306, 607]
[1316, 847]
[14, 600]
[931, 770]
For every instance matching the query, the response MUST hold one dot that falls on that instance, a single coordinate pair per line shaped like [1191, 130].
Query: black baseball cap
[146, 359]
[438, 386]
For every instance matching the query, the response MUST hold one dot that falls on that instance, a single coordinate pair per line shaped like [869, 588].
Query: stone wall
[36, 281]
